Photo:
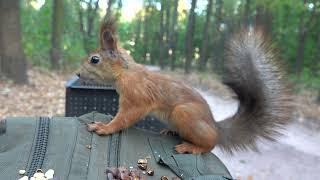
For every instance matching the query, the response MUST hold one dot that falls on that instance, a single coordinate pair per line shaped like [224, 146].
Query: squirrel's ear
[108, 38]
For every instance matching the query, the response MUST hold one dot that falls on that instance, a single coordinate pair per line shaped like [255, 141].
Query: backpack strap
[185, 166]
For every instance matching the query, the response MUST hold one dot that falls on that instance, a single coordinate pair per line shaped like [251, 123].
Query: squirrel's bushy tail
[265, 103]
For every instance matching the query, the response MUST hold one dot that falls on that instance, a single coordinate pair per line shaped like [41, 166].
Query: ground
[44, 95]
[295, 156]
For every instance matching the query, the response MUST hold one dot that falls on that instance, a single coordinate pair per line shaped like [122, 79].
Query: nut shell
[110, 176]
[150, 172]
[114, 171]
[142, 166]
[164, 178]
[142, 161]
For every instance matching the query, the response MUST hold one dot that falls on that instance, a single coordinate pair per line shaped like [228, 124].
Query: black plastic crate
[82, 98]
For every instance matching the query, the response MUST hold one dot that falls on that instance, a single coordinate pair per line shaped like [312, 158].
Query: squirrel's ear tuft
[108, 37]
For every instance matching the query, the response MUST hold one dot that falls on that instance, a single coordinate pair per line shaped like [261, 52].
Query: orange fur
[264, 99]
[143, 92]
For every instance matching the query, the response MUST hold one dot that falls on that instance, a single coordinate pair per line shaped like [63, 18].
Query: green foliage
[306, 80]
[285, 27]
[36, 33]
[72, 41]
[286, 21]
[36, 29]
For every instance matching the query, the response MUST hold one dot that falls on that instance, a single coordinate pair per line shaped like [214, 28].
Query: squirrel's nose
[78, 74]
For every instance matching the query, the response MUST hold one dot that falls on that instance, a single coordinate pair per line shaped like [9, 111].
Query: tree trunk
[109, 9]
[118, 10]
[300, 50]
[205, 39]
[301, 44]
[189, 38]
[12, 59]
[92, 13]
[218, 44]
[304, 27]
[246, 16]
[173, 36]
[264, 20]
[161, 33]
[167, 29]
[317, 60]
[317, 57]
[87, 26]
[138, 31]
[146, 34]
[57, 32]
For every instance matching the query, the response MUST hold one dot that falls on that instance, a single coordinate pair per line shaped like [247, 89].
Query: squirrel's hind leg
[200, 136]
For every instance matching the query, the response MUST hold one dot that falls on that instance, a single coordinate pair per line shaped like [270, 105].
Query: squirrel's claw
[98, 127]
[93, 126]
[169, 132]
[186, 147]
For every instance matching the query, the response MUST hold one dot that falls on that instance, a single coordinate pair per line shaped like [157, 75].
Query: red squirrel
[252, 73]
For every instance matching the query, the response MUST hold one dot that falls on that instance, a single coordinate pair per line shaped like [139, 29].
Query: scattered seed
[142, 166]
[88, 146]
[150, 172]
[124, 173]
[135, 174]
[22, 172]
[49, 174]
[39, 174]
[110, 176]
[164, 178]
[114, 171]
[24, 178]
[142, 161]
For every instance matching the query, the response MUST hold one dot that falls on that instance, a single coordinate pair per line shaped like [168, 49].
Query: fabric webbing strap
[185, 166]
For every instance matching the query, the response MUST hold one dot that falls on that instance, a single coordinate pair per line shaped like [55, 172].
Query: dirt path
[296, 156]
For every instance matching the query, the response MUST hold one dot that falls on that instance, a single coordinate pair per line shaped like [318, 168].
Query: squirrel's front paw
[98, 127]
[91, 127]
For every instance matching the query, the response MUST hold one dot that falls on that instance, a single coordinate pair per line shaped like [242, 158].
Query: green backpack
[64, 145]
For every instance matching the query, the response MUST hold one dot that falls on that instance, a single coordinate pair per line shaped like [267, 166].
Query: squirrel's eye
[94, 59]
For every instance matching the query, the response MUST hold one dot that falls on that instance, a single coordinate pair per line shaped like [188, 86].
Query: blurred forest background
[42, 42]
[186, 35]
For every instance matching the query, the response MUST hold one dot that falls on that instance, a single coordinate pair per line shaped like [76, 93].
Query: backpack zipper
[39, 147]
